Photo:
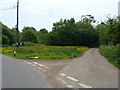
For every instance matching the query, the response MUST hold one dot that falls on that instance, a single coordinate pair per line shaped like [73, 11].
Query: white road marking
[84, 85]
[34, 65]
[45, 67]
[39, 68]
[64, 81]
[73, 79]
[69, 77]
[35, 62]
[41, 65]
[62, 74]
[69, 86]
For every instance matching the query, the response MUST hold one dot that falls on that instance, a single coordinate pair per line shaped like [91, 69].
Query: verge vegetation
[65, 33]
[112, 53]
[45, 52]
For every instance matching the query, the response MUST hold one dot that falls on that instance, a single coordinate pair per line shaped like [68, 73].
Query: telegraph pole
[17, 26]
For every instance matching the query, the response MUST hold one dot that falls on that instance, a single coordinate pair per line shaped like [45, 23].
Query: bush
[111, 52]
[28, 43]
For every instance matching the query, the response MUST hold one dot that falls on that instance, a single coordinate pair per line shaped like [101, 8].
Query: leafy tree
[109, 32]
[84, 26]
[28, 28]
[88, 19]
[29, 36]
[5, 39]
[7, 32]
[42, 35]
[43, 31]
[68, 33]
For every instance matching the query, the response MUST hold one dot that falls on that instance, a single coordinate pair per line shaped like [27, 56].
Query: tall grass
[112, 53]
[46, 52]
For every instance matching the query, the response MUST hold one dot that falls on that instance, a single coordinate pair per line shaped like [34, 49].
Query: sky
[43, 13]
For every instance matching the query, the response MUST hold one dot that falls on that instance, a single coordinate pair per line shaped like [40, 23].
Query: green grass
[112, 53]
[45, 52]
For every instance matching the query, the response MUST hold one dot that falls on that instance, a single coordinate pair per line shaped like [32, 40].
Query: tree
[29, 36]
[109, 32]
[84, 26]
[29, 28]
[88, 19]
[69, 33]
[43, 31]
[62, 33]
[5, 39]
[7, 32]
[42, 35]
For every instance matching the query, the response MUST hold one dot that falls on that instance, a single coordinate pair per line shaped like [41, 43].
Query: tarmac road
[89, 71]
[17, 74]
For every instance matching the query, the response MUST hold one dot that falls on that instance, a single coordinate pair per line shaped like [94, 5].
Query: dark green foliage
[29, 36]
[43, 31]
[29, 28]
[5, 39]
[9, 35]
[42, 35]
[68, 33]
[111, 53]
[109, 32]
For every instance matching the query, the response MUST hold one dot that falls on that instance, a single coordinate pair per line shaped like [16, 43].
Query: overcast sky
[43, 13]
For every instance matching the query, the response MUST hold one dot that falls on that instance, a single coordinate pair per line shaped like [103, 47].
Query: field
[112, 53]
[45, 52]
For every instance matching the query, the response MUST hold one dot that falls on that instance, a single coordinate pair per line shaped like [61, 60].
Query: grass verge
[112, 53]
[45, 52]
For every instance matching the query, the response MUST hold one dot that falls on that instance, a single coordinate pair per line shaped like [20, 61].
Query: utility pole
[17, 26]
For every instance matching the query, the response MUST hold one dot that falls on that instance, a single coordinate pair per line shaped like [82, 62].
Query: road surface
[18, 74]
[89, 71]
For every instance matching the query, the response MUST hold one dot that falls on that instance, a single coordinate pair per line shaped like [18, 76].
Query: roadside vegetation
[45, 52]
[112, 53]
[66, 33]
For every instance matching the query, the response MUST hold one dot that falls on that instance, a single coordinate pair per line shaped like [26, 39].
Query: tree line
[68, 32]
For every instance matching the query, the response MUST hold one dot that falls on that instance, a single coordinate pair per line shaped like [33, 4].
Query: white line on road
[73, 79]
[84, 85]
[35, 62]
[45, 67]
[62, 74]
[64, 81]
[34, 65]
[41, 65]
[69, 86]
[41, 69]
[69, 77]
